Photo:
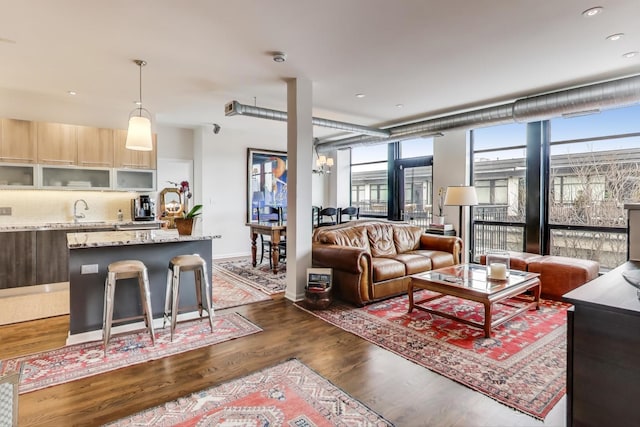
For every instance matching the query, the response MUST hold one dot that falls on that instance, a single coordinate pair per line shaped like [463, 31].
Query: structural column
[299, 157]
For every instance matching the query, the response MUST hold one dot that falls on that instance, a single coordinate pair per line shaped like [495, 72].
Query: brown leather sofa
[372, 260]
[558, 274]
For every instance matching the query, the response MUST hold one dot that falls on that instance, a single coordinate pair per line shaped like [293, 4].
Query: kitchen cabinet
[124, 158]
[95, 147]
[138, 180]
[17, 176]
[17, 141]
[75, 178]
[57, 143]
[52, 256]
[17, 259]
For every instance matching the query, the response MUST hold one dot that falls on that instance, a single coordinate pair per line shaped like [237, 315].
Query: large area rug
[288, 394]
[522, 366]
[229, 291]
[73, 362]
[261, 277]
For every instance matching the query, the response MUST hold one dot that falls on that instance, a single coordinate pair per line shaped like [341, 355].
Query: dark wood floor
[404, 393]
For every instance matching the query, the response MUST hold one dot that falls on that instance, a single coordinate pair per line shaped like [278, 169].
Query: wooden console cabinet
[603, 360]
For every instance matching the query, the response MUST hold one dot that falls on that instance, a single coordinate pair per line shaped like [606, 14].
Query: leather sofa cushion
[439, 259]
[381, 239]
[386, 269]
[355, 237]
[406, 238]
[414, 263]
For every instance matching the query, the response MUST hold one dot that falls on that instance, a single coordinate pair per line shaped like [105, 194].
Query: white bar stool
[177, 265]
[126, 269]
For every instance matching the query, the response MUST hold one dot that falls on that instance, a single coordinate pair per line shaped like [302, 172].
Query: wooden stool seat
[126, 269]
[177, 265]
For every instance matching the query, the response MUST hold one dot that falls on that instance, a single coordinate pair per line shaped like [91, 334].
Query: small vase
[184, 226]
[438, 219]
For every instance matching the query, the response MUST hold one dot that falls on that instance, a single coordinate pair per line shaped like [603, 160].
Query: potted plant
[185, 224]
[439, 219]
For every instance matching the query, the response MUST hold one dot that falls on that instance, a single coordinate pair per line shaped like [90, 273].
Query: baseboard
[33, 302]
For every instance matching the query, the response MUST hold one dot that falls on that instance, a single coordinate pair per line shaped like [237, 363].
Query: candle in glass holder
[498, 265]
[498, 271]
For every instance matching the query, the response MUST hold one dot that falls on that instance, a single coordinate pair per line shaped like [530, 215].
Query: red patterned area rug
[231, 292]
[260, 277]
[523, 364]
[77, 361]
[288, 394]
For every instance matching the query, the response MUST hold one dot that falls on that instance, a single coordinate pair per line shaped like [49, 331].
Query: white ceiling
[433, 56]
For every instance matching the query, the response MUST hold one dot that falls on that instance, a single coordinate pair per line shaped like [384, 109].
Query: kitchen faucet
[76, 215]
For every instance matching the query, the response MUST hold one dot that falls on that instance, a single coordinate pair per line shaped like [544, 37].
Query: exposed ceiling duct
[235, 108]
[585, 99]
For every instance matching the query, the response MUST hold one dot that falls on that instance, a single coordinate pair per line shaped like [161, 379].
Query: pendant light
[139, 133]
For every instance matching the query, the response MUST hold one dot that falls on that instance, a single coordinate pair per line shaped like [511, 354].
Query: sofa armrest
[436, 242]
[344, 258]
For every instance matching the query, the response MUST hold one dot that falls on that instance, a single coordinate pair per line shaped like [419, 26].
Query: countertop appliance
[143, 209]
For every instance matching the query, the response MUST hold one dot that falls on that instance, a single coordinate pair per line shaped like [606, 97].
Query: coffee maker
[143, 209]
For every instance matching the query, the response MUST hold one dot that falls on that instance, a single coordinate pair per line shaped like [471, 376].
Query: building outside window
[369, 179]
[499, 177]
[594, 165]
[594, 170]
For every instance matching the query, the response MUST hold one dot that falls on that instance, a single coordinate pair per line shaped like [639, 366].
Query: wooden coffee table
[469, 281]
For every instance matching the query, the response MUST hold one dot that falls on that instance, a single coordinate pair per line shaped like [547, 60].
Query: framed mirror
[266, 180]
[170, 205]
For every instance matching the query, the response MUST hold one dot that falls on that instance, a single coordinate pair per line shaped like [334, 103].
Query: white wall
[220, 177]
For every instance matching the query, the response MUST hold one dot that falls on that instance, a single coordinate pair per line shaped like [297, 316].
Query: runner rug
[77, 361]
[288, 394]
[523, 364]
[228, 291]
[260, 277]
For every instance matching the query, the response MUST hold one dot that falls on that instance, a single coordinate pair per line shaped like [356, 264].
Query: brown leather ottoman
[560, 275]
[517, 260]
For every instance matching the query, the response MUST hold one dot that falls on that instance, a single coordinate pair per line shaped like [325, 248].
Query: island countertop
[126, 238]
[95, 225]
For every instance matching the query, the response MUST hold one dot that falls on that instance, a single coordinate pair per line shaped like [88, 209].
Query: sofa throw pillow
[406, 237]
[381, 239]
[355, 237]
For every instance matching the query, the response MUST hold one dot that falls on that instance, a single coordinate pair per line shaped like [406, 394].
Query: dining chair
[331, 213]
[270, 214]
[350, 212]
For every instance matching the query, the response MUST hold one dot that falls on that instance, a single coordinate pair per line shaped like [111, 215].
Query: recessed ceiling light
[593, 11]
[399, 105]
[279, 56]
[614, 37]
[138, 103]
[72, 92]
[630, 54]
[360, 95]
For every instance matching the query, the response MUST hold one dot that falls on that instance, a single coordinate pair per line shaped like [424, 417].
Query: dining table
[276, 230]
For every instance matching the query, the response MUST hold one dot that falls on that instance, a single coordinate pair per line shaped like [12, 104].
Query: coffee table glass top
[474, 276]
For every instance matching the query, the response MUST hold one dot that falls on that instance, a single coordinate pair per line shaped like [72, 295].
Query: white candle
[498, 271]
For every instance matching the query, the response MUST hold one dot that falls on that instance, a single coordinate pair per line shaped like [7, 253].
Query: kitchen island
[91, 253]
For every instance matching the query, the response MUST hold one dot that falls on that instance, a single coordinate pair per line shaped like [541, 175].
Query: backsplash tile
[35, 206]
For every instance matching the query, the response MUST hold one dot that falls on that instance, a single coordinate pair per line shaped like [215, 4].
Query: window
[594, 165]
[369, 187]
[499, 167]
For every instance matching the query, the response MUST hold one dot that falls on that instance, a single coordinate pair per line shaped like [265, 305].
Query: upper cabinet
[57, 144]
[95, 147]
[125, 158]
[17, 141]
